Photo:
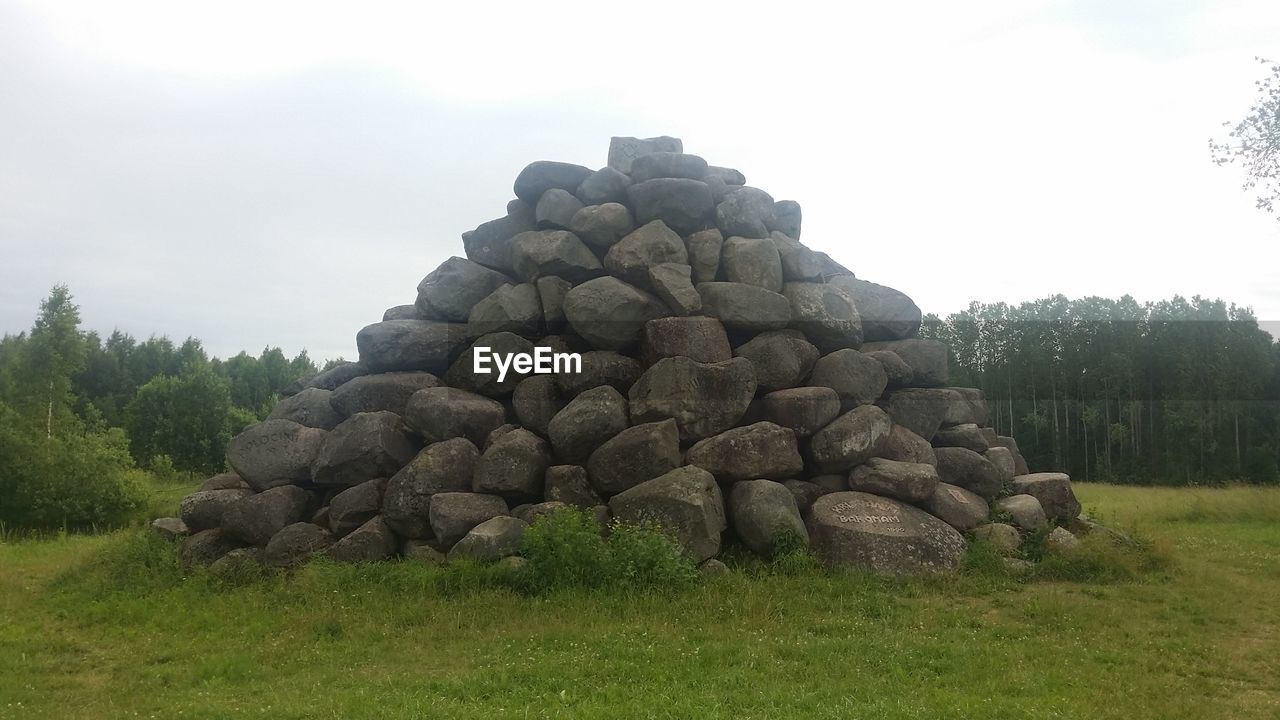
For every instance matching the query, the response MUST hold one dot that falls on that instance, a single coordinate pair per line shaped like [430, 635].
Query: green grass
[105, 626]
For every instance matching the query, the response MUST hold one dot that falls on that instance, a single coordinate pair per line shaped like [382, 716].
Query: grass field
[94, 627]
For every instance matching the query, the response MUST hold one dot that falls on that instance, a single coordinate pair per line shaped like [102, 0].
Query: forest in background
[1176, 392]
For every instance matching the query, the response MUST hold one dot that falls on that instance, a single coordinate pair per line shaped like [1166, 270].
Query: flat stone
[804, 410]
[747, 308]
[862, 531]
[409, 345]
[441, 413]
[909, 482]
[624, 150]
[760, 450]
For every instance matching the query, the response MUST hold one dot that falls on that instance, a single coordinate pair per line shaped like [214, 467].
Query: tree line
[1181, 391]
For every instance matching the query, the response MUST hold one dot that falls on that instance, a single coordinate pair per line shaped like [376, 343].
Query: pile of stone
[734, 386]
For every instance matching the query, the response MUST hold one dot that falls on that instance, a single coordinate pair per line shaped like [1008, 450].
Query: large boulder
[224, 481]
[685, 205]
[609, 313]
[254, 519]
[1003, 537]
[490, 243]
[1054, 492]
[538, 177]
[906, 481]
[553, 252]
[635, 455]
[969, 470]
[804, 410]
[1019, 462]
[604, 186]
[329, 379]
[295, 544]
[967, 436]
[764, 515]
[746, 211]
[485, 377]
[384, 391]
[491, 540]
[601, 226]
[856, 378]
[355, 506]
[170, 529]
[673, 284]
[868, 532]
[275, 452]
[409, 345]
[746, 308]
[440, 413]
[704, 254]
[450, 291]
[586, 422]
[886, 313]
[555, 209]
[787, 218]
[897, 370]
[512, 466]
[371, 542]
[968, 407]
[1002, 459]
[753, 261]
[698, 338]
[600, 367]
[957, 507]
[511, 308]
[363, 447]
[310, 407]
[906, 446]
[703, 398]
[446, 466]
[919, 410]
[535, 401]
[204, 509]
[799, 263]
[569, 484]
[805, 493]
[649, 245]
[825, 314]
[1024, 511]
[206, 547]
[667, 165]
[454, 514]
[551, 293]
[624, 150]
[761, 450]
[849, 440]
[781, 358]
[685, 503]
[926, 358]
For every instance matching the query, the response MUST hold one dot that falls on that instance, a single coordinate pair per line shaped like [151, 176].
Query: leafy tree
[55, 352]
[183, 417]
[1254, 142]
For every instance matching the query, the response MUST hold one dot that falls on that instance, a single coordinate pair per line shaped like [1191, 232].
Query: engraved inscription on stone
[882, 518]
[958, 496]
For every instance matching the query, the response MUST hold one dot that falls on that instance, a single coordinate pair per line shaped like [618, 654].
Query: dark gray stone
[804, 410]
[851, 439]
[1020, 463]
[761, 450]
[919, 410]
[969, 470]
[441, 413]
[957, 507]
[254, 519]
[602, 226]
[667, 165]
[729, 176]
[555, 209]
[538, 177]
[224, 481]
[753, 261]
[310, 408]
[606, 185]
[205, 547]
[1054, 492]
[805, 493]
[446, 466]
[745, 211]
[685, 503]
[570, 485]
[906, 446]
[781, 358]
[600, 367]
[536, 400]
[1002, 459]
[703, 398]
[799, 263]
[862, 531]
[685, 205]
[409, 345]
[490, 243]
[363, 447]
[786, 218]
[295, 544]
[513, 466]
[672, 282]
[624, 150]
[454, 514]
[553, 252]
[384, 391]
[764, 515]
[748, 308]
[551, 293]
[856, 378]
[275, 452]
[965, 436]
[492, 383]
[491, 540]
[895, 369]
[371, 542]
[170, 528]
[404, 312]
[825, 314]
[648, 245]
[639, 453]
[704, 254]
[355, 506]
[1024, 511]
[699, 338]
[886, 313]
[335, 376]
[449, 292]
[926, 358]
[1004, 537]
[908, 482]
[609, 314]
[968, 407]
[204, 509]
[511, 308]
[586, 422]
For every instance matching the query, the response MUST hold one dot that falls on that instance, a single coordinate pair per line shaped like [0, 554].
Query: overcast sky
[255, 173]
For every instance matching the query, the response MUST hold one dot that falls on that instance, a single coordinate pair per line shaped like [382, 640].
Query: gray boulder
[1004, 537]
[440, 413]
[454, 514]
[384, 391]
[409, 345]
[355, 506]
[698, 338]
[635, 455]
[329, 379]
[1024, 511]
[310, 407]
[1054, 492]
[648, 245]
[703, 398]
[170, 528]
[1019, 462]
[295, 544]
[254, 519]
[275, 452]
[1060, 540]
[753, 261]
[551, 293]
[224, 481]
[205, 547]
[489, 381]
[606, 185]
[569, 484]
[422, 551]
[969, 470]
[553, 252]
[856, 378]
[761, 450]
[667, 165]
[371, 542]
[600, 367]
[764, 515]
[555, 209]
[685, 205]
[512, 466]
[804, 410]
[609, 314]
[926, 358]
[204, 509]
[906, 446]
[535, 401]
[624, 150]
[781, 358]
[586, 422]
[685, 503]
[825, 314]
[538, 177]
[906, 481]
[886, 313]
[786, 218]
[490, 243]
[799, 263]
[602, 226]
[1002, 460]
[748, 308]
[449, 292]
[968, 407]
[532, 513]
[704, 254]
[957, 507]
[746, 211]
[862, 531]
[673, 284]
[965, 436]
[919, 410]
[849, 440]
[898, 372]
[805, 493]
[730, 176]
[511, 308]
[446, 466]
[363, 447]
[491, 540]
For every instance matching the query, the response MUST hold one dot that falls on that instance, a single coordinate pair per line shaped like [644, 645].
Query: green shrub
[1100, 558]
[565, 550]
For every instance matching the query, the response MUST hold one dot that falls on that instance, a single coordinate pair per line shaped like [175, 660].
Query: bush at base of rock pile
[723, 384]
